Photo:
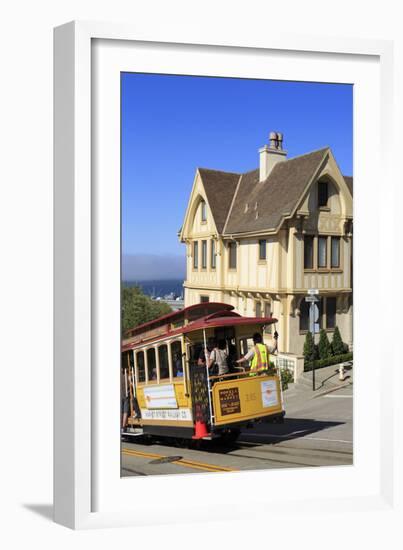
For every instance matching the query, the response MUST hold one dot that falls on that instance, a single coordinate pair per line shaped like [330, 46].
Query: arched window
[163, 360]
[140, 365]
[151, 364]
[323, 194]
[203, 210]
[177, 361]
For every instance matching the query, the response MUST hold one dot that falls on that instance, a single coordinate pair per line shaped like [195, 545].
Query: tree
[137, 308]
[325, 350]
[309, 348]
[338, 346]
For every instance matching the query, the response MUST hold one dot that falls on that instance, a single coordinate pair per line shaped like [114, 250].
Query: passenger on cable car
[219, 358]
[178, 370]
[201, 361]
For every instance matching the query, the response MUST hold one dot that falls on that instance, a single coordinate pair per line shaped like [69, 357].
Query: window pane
[176, 353]
[203, 211]
[330, 312]
[258, 309]
[204, 299]
[322, 193]
[163, 359]
[262, 249]
[267, 313]
[320, 307]
[232, 255]
[322, 252]
[335, 251]
[304, 315]
[141, 371]
[213, 255]
[196, 254]
[308, 252]
[204, 254]
[152, 365]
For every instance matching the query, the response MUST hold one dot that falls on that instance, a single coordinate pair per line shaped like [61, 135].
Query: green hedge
[329, 361]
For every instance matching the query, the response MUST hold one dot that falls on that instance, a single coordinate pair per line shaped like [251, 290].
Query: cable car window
[196, 351]
[163, 360]
[176, 354]
[151, 364]
[141, 371]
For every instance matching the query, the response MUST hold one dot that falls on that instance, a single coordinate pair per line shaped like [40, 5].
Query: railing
[289, 361]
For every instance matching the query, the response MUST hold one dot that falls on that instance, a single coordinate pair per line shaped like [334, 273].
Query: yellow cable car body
[172, 393]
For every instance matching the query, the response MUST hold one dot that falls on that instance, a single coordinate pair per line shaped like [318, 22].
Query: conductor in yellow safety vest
[260, 354]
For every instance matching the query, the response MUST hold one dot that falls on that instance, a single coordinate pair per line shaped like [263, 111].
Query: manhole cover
[165, 459]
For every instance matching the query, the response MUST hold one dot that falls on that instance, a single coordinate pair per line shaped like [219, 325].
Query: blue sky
[173, 124]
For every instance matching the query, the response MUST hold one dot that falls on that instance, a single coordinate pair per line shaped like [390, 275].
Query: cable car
[172, 393]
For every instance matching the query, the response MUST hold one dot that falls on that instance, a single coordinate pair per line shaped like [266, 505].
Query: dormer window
[323, 194]
[203, 211]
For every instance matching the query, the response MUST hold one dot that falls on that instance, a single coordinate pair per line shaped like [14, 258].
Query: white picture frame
[88, 491]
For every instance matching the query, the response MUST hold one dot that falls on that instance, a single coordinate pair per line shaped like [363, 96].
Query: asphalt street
[317, 431]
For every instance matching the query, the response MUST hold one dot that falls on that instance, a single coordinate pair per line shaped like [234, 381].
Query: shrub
[334, 360]
[324, 345]
[337, 343]
[309, 348]
[287, 377]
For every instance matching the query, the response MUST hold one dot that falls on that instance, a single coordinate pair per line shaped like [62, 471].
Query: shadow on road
[270, 434]
[260, 434]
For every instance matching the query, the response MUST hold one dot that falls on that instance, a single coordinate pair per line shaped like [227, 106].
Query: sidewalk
[326, 381]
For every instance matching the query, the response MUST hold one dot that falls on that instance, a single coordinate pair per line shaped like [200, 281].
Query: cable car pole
[208, 380]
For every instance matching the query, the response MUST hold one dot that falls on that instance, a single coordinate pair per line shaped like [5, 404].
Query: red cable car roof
[220, 320]
[177, 315]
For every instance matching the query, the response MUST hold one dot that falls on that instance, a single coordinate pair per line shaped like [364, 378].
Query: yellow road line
[207, 466]
[182, 462]
[140, 453]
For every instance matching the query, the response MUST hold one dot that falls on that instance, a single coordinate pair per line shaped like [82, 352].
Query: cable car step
[210, 437]
[133, 432]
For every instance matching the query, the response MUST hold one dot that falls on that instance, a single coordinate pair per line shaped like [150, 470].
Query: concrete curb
[332, 390]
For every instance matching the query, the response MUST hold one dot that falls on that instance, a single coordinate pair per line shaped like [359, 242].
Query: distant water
[159, 287]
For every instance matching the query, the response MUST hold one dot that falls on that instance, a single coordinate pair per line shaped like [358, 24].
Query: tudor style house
[260, 240]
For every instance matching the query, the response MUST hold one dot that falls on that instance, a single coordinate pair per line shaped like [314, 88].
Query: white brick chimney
[271, 154]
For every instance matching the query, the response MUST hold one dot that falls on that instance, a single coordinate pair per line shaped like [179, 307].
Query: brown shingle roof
[349, 181]
[261, 205]
[220, 188]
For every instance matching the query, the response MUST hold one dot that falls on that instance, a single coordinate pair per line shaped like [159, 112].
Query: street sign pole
[312, 329]
[312, 299]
